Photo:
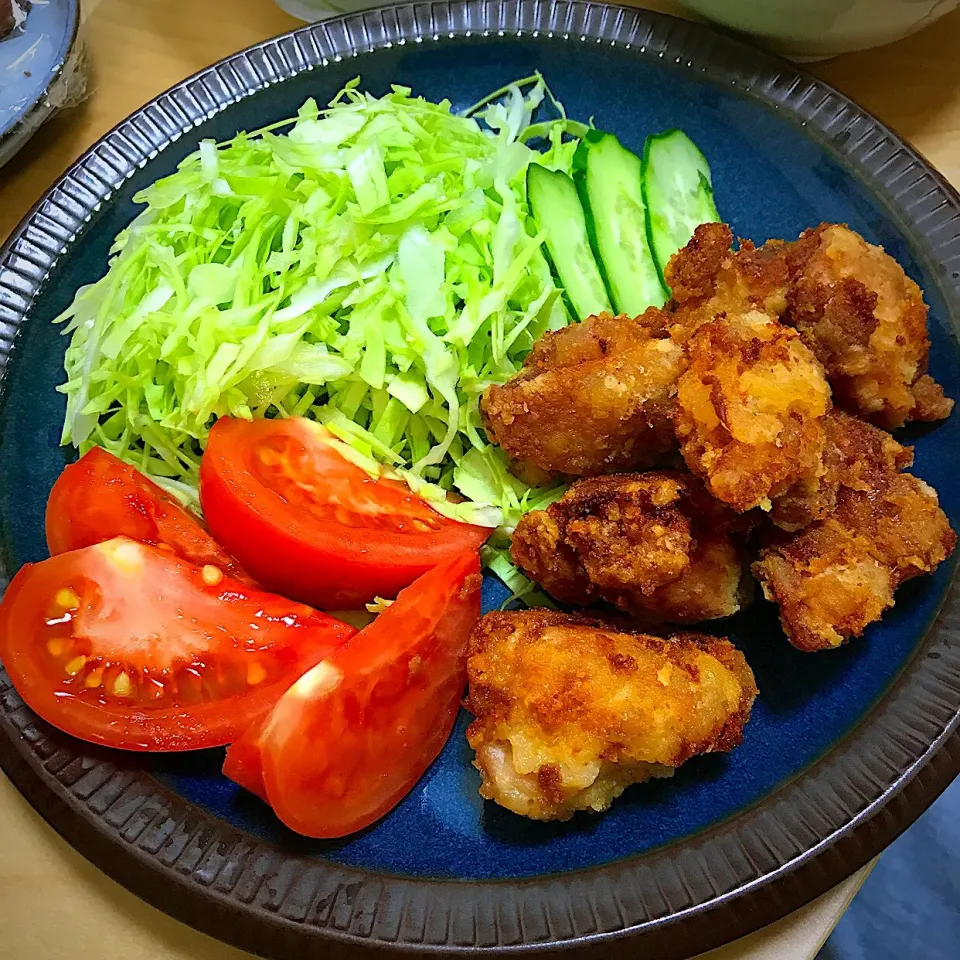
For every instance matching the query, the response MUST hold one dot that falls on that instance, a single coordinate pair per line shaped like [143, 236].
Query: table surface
[139, 48]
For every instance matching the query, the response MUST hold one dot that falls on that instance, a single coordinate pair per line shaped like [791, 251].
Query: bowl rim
[727, 881]
[18, 130]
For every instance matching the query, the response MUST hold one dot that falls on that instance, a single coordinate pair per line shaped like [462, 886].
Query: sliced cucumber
[608, 176]
[678, 192]
[557, 210]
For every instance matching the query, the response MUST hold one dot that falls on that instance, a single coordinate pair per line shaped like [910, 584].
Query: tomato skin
[243, 763]
[100, 497]
[351, 738]
[200, 660]
[274, 531]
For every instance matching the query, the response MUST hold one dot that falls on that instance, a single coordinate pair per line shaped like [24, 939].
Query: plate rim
[865, 791]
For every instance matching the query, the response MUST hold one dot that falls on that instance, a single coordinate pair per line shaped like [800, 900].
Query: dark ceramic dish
[845, 748]
[40, 71]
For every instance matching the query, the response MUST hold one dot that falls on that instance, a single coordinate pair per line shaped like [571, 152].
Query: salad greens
[373, 266]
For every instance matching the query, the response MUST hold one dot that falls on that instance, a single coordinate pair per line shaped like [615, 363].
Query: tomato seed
[211, 575]
[94, 678]
[255, 673]
[126, 556]
[122, 687]
[67, 599]
[75, 665]
[57, 647]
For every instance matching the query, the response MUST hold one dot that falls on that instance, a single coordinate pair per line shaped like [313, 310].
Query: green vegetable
[378, 605]
[373, 266]
[561, 216]
[608, 177]
[497, 561]
[678, 192]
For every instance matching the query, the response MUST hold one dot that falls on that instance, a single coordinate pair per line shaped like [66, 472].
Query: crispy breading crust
[750, 410]
[655, 545]
[593, 398]
[852, 303]
[749, 399]
[866, 321]
[707, 279]
[538, 547]
[570, 711]
[835, 577]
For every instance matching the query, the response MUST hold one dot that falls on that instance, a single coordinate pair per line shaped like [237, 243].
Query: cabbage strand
[372, 266]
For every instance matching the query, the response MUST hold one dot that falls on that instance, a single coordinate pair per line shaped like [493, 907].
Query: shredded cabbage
[497, 561]
[372, 266]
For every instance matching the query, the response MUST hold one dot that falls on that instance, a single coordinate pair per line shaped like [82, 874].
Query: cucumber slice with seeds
[557, 209]
[608, 176]
[678, 192]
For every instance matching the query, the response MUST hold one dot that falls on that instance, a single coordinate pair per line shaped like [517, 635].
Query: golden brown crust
[855, 454]
[708, 278]
[930, 401]
[750, 410]
[692, 272]
[854, 306]
[715, 585]
[628, 533]
[593, 398]
[655, 545]
[569, 711]
[539, 549]
[826, 583]
[838, 575]
[866, 321]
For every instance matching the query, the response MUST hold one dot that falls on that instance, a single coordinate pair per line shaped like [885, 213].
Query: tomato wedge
[352, 736]
[243, 763]
[308, 523]
[100, 497]
[127, 645]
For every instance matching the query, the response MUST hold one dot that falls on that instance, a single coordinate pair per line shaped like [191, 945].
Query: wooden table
[140, 47]
[53, 904]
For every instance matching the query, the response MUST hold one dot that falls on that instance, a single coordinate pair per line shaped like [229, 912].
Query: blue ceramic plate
[38, 63]
[844, 748]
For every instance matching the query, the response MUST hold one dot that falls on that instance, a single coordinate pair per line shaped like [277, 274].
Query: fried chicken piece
[707, 278]
[655, 545]
[853, 304]
[539, 549]
[570, 712]
[750, 410]
[826, 583]
[748, 417]
[715, 585]
[838, 575]
[593, 398]
[866, 321]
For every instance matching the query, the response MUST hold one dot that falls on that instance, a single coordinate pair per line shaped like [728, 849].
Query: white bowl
[815, 29]
[311, 10]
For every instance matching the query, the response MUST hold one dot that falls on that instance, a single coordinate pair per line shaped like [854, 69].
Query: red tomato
[310, 524]
[127, 645]
[243, 763]
[100, 497]
[352, 736]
